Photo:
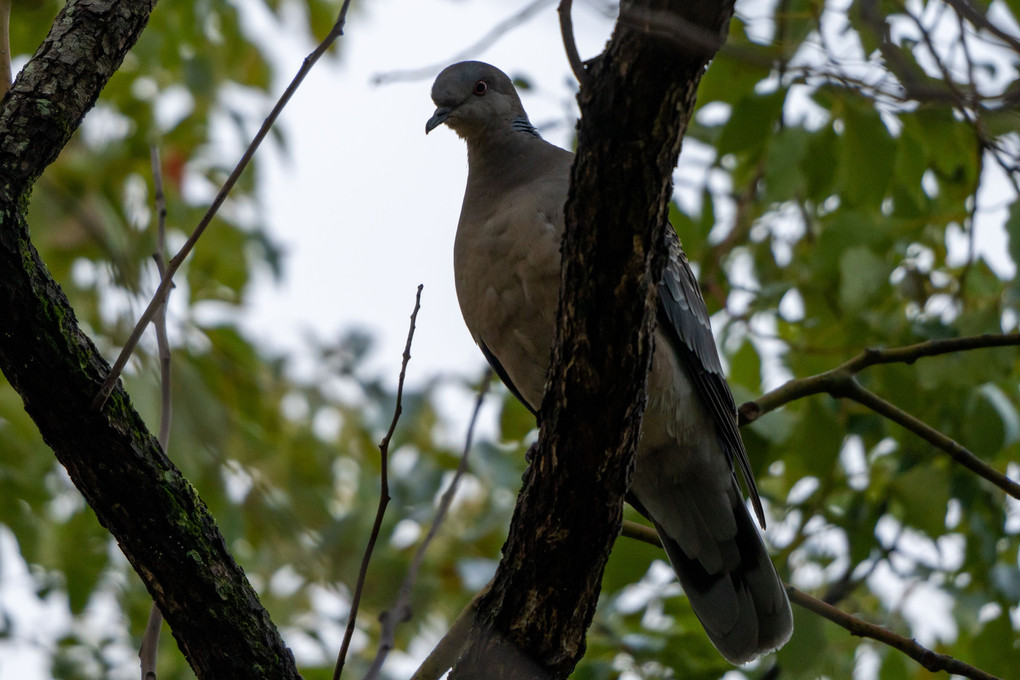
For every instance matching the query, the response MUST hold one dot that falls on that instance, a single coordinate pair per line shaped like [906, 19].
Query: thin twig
[932, 661]
[484, 42]
[162, 342]
[178, 259]
[908, 354]
[401, 609]
[384, 494]
[968, 11]
[957, 452]
[569, 43]
[149, 648]
[841, 383]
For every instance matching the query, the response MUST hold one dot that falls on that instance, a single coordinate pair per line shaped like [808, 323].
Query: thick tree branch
[840, 382]
[635, 105]
[160, 523]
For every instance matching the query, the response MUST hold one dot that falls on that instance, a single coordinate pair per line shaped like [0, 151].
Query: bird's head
[472, 97]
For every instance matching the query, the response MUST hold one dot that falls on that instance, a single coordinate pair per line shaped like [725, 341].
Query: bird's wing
[688, 323]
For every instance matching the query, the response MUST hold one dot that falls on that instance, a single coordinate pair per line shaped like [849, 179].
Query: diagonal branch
[932, 661]
[960, 454]
[840, 382]
[159, 297]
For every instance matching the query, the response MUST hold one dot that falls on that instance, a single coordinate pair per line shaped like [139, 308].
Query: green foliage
[843, 221]
[847, 217]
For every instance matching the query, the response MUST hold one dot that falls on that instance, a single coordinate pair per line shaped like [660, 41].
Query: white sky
[367, 205]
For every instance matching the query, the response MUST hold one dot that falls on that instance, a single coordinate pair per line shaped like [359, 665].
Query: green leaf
[991, 422]
[751, 123]
[745, 367]
[515, 421]
[807, 646]
[784, 164]
[862, 275]
[997, 647]
[867, 156]
[819, 166]
[1013, 236]
[923, 492]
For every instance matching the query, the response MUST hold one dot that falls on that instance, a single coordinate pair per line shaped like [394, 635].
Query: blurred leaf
[923, 492]
[863, 274]
[867, 156]
[751, 123]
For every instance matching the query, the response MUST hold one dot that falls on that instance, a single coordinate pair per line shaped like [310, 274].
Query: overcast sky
[366, 205]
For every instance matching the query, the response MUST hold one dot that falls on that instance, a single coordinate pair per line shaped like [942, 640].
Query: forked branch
[841, 382]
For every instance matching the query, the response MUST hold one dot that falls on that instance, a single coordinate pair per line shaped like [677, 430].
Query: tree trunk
[156, 516]
[635, 105]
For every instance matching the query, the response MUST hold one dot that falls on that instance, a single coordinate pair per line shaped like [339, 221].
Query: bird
[507, 273]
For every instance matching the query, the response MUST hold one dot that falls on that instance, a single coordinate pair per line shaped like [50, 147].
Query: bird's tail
[736, 592]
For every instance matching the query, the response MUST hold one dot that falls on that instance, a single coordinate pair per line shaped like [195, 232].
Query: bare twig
[908, 354]
[926, 432]
[401, 609]
[491, 36]
[569, 44]
[932, 661]
[384, 494]
[162, 342]
[175, 263]
[840, 382]
[149, 648]
[968, 11]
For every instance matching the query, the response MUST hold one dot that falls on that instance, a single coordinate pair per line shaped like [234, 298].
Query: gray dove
[507, 272]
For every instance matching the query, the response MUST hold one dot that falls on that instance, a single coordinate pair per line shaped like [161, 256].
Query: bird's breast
[507, 271]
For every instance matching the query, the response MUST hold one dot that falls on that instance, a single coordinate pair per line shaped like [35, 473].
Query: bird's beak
[438, 118]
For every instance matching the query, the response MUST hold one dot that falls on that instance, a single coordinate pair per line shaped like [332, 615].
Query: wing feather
[687, 321]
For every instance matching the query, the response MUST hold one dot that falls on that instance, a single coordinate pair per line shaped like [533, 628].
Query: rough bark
[137, 493]
[635, 105]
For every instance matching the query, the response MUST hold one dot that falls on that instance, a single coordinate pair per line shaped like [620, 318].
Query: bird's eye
[480, 88]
